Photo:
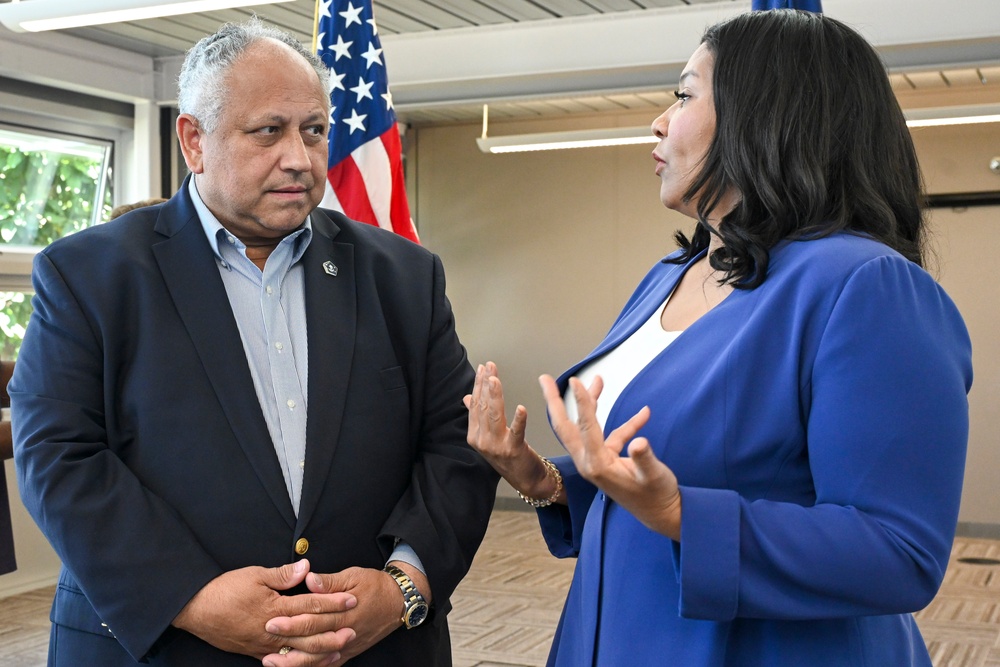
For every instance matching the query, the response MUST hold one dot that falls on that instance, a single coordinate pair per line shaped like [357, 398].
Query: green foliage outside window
[44, 195]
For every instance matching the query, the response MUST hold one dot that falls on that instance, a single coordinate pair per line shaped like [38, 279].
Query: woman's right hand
[504, 446]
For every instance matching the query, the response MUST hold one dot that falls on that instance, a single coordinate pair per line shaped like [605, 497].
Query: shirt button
[302, 546]
[231, 239]
[290, 403]
[302, 465]
[279, 346]
[269, 290]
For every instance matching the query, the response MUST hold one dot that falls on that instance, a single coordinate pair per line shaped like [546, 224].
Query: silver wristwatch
[415, 609]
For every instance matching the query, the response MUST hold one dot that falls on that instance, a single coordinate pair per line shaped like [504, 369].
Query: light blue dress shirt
[270, 311]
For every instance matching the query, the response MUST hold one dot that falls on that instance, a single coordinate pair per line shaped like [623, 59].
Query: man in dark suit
[7, 560]
[161, 431]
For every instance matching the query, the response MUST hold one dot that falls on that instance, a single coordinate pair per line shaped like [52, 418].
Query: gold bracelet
[550, 471]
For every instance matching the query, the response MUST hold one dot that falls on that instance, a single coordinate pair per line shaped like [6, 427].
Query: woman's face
[686, 131]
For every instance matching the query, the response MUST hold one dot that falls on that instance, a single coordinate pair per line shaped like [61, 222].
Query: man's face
[263, 169]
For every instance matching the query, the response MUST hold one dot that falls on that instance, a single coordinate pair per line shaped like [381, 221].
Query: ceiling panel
[433, 16]
[962, 77]
[476, 13]
[927, 80]
[564, 8]
[522, 10]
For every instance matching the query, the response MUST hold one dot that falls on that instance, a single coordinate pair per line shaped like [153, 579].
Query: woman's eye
[681, 97]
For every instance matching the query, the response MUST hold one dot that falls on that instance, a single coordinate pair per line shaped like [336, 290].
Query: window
[51, 185]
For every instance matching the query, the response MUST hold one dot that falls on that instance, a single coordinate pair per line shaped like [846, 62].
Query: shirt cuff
[405, 553]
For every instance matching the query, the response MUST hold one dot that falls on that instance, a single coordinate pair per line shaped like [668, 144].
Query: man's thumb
[286, 576]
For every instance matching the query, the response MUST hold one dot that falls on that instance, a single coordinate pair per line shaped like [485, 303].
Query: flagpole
[315, 24]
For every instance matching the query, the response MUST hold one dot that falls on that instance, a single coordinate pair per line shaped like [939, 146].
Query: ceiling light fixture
[547, 141]
[39, 15]
[967, 115]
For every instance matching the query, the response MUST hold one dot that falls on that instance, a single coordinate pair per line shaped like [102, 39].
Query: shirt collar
[214, 230]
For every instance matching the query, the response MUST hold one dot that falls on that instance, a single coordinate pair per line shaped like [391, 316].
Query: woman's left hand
[641, 483]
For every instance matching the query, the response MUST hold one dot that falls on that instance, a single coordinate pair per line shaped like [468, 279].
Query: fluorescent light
[963, 120]
[38, 15]
[547, 141]
[619, 136]
[967, 115]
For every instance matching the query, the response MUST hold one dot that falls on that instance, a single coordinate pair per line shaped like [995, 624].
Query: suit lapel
[331, 314]
[192, 277]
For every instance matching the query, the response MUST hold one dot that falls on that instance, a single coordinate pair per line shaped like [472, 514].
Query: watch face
[416, 615]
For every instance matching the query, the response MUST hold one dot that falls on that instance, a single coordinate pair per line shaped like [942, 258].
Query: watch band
[415, 605]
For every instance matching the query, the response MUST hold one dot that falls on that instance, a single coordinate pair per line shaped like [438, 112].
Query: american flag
[365, 169]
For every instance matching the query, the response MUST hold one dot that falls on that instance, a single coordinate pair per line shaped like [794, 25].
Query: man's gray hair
[201, 87]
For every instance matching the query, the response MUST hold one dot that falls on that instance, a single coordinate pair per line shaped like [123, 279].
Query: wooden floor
[507, 608]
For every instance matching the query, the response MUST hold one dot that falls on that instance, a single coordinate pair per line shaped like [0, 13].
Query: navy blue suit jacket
[7, 561]
[143, 455]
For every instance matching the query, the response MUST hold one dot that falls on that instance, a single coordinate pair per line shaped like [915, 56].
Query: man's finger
[321, 649]
[286, 576]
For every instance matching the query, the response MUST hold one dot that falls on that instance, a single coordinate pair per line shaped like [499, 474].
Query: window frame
[61, 120]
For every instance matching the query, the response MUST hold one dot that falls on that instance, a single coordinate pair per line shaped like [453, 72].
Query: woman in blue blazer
[766, 451]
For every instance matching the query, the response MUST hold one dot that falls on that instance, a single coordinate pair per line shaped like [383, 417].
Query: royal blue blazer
[818, 427]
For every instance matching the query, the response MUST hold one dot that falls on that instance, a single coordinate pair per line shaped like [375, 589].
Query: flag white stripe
[372, 161]
[330, 199]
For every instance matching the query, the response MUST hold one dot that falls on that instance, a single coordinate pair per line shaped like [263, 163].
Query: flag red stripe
[350, 188]
[402, 223]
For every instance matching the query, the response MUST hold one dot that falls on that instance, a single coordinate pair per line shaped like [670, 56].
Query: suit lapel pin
[330, 268]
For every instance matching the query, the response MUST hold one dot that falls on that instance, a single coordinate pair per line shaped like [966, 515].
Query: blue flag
[807, 5]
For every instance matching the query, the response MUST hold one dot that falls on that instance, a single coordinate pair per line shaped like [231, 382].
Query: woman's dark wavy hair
[810, 135]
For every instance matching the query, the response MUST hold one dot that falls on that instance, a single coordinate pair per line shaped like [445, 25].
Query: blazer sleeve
[444, 512]
[562, 525]
[68, 475]
[887, 428]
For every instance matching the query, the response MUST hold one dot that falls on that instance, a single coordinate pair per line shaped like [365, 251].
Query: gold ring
[284, 650]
